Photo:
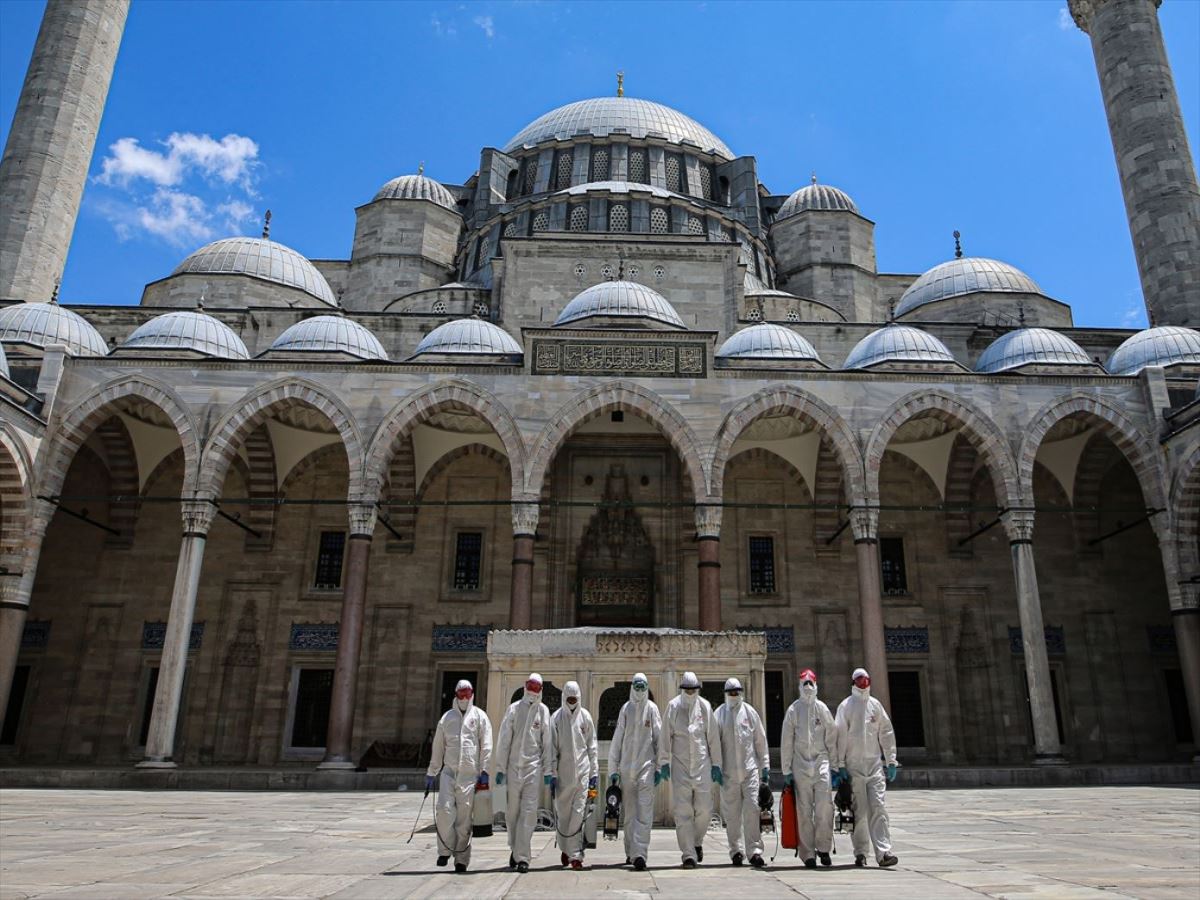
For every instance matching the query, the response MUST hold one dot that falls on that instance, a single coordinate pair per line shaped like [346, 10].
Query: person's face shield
[862, 682]
[534, 687]
[464, 693]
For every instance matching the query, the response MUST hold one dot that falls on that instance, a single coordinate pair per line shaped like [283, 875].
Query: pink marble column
[520, 607]
[865, 523]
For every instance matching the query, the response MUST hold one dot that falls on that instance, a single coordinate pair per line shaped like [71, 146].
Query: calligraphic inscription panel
[647, 359]
[615, 590]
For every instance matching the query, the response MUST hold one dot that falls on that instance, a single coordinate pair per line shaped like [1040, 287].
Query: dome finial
[621, 84]
[267, 226]
[957, 245]
[814, 176]
[421, 168]
[54, 293]
[200, 302]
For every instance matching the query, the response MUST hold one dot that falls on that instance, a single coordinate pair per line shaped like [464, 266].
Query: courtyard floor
[1139, 842]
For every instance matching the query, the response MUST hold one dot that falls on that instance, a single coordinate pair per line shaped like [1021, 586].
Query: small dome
[1166, 345]
[620, 299]
[969, 275]
[816, 196]
[898, 343]
[417, 187]
[473, 336]
[188, 331]
[43, 324]
[330, 334]
[258, 258]
[767, 341]
[1031, 346]
[602, 116]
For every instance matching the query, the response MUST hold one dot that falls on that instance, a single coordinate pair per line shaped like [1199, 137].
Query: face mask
[808, 691]
[572, 704]
[861, 692]
[463, 704]
[734, 699]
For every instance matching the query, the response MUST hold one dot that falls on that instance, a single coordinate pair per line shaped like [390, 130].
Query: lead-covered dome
[816, 196]
[330, 334]
[1165, 345]
[766, 340]
[899, 344]
[417, 187]
[189, 332]
[603, 116]
[258, 258]
[43, 324]
[619, 300]
[969, 275]
[469, 336]
[1031, 347]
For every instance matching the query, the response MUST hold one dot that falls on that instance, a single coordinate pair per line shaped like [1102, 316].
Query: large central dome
[603, 116]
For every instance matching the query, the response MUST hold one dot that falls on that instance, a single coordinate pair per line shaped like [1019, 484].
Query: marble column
[1047, 748]
[15, 590]
[520, 607]
[160, 743]
[338, 750]
[1187, 638]
[865, 524]
[708, 539]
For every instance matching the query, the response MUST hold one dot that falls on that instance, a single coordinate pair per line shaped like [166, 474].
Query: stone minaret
[1158, 176]
[49, 149]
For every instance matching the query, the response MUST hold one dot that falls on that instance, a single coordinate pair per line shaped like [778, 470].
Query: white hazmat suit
[633, 755]
[807, 748]
[691, 746]
[744, 751]
[866, 742]
[573, 763]
[462, 748]
[522, 758]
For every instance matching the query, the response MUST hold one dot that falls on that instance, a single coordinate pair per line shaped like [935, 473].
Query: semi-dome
[619, 300]
[469, 336]
[330, 334]
[898, 344]
[1031, 347]
[816, 196]
[968, 275]
[1166, 345]
[258, 258]
[188, 332]
[43, 324]
[417, 187]
[766, 340]
[602, 116]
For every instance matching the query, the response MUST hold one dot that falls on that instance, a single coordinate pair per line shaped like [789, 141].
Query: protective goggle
[640, 686]
[572, 700]
[534, 687]
[733, 692]
[691, 690]
[464, 693]
[862, 681]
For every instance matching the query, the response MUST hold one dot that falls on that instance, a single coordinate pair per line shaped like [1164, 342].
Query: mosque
[610, 382]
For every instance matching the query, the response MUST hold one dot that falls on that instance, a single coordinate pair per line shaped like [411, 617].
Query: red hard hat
[808, 675]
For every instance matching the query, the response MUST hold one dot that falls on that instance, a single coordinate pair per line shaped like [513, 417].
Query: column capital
[362, 519]
[1189, 598]
[197, 516]
[1082, 11]
[708, 521]
[524, 518]
[1018, 524]
[864, 520]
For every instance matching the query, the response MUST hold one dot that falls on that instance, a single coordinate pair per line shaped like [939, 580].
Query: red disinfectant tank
[789, 834]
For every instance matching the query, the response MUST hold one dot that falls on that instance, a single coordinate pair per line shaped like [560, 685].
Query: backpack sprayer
[612, 812]
[843, 801]
[766, 809]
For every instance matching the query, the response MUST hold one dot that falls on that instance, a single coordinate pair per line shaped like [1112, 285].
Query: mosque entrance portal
[615, 580]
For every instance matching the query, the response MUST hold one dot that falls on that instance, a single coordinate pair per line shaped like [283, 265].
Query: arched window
[541, 220]
[618, 217]
[563, 178]
[706, 183]
[530, 175]
[793, 315]
[599, 164]
[440, 307]
[723, 185]
[695, 225]
[637, 166]
[511, 228]
[579, 218]
[611, 702]
[674, 174]
[510, 189]
[658, 220]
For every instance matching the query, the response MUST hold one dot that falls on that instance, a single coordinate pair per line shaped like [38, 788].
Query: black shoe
[689, 863]
[824, 858]
[699, 854]
[522, 867]
[860, 861]
[737, 858]
[628, 861]
[810, 863]
[564, 860]
[442, 860]
[512, 861]
[460, 867]
[888, 861]
[639, 864]
[758, 862]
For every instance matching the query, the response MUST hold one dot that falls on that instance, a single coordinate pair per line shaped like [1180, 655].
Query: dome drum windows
[562, 170]
[600, 166]
[695, 225]
[579, 218]
[618, 217]
[541, 220]
[637, 166]
[659, 222]
[531, 171]
[674, 170]
[706, 183]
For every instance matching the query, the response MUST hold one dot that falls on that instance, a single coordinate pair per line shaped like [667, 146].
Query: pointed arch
[322, 455]
[261, 488]
[1185, 509]
[452, 456]
[121, 459]
[617, 395]
[15, 493]
[960, 473]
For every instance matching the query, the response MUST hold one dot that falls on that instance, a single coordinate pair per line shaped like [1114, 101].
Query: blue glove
[550, 780]
[843, 774]
[891, 772]
[482, 780]
[665, 772]
[789, 779]
[657, 777]
[716, 775]
[592, 782]
[766, 775]
[499, 778]
[429, 782]
[614, 778]
[835, 778]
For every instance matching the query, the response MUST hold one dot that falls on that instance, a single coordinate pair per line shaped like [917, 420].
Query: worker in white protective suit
[574, 772]
[523, 763]
[690, 756]
[632, 762]
[807, 749]
[747, 765]
[866, 743]
[462, 752]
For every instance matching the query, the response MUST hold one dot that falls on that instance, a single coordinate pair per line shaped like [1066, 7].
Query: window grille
[618, 217]
[468, 553]
[793, 315]
[580, 270]
[510, 229]
[330, 552]
[695, 225]
[674, 176]
[637, 166]
[658, 220]
[481, 309]
[599, 165]
[706, 183]
[541, 220]
[891, 560]
[606, 272]
[565, 162]
[634, 271]
[530, 176]
[310, 714]
[485, 252]
[579, 218]
[659, 273]
[762, 565]
[439, 307]
[754, 314]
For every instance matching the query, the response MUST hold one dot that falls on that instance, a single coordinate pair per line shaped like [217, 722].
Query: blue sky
[980, 116]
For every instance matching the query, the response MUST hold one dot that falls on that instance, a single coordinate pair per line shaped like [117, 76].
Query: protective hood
[860, 693]
[733, 684]
[639, 696]
[808, 692]
[571, 689]
[689, 681]
[463, 706]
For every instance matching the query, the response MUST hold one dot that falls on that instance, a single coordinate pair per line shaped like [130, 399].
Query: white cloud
[237, 214]
[231, 160]
[1135, 316]
[178, 218]
[1065, 22]
[488, 26]
[440, 28]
